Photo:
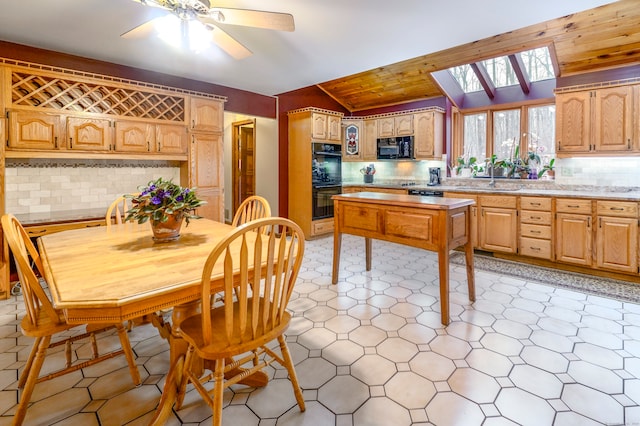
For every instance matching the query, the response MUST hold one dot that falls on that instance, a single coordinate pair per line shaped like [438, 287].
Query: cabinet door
[33, 130]
[573, 119]
[207, 115]
[613, 123]
[573, 239]
[428, 130]
[89, 134]
[403, 125]
[498, 229]
[617, 244]
[319, 124]
[386, 127]
[207, 174]
[134, 136]
[369, 142]
[334, 124]
[171, 139]
[351, 146]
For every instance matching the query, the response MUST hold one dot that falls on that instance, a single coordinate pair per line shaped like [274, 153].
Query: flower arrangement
[162, 198]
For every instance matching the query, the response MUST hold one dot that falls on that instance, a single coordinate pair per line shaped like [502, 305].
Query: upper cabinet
[429, 135]
[206, 115]
[325, 126]
[595, 121]
[33, 130]
[352, 143]
[90, 134]
[399, 125]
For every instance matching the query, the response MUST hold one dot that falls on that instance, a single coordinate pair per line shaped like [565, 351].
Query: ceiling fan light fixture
[181, 33]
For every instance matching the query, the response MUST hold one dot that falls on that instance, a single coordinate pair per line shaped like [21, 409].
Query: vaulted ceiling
[601, 38]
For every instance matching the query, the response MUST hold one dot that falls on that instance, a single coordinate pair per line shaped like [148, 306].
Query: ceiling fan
[207, 18]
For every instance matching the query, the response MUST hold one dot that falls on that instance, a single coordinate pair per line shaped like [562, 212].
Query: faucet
[492, 182]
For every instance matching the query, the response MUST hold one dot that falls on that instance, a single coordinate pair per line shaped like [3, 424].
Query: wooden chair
[252, 208]
[245, 324]
[42, 321]
[117, 211]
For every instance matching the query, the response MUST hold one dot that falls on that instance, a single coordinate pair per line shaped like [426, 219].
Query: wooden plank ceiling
[602, 38]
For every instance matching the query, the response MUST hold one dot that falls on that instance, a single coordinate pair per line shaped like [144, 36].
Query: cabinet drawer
[323, 227]
[617, 208]
[535, 248]
[358, 218]
[535, 217]
[535, 203]
[572, 205]
[535, 231]
[502, 201]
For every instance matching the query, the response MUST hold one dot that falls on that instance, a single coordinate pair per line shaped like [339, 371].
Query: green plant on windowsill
[466, 164]
[548, 169]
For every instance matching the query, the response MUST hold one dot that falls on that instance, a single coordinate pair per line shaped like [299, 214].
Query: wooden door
[334, 126]
[573, 238]
[89, 134]
[33, 130]
[134, 136]
[207, 174]
[386, 127]
[573, 121]
[171, 138]
[244, 161]
[353, 138]
[617, 244]
[498, 229]
[369, 143]
[613, 122]
[403, 125]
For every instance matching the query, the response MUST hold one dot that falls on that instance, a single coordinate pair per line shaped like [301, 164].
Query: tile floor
[371, 351]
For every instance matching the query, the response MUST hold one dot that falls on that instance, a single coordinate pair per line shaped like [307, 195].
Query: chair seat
[45, 327]
[191, 330]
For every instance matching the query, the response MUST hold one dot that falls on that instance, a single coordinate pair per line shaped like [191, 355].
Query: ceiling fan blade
[229, 44]
[143, 30]
[163, 4]
[253, 18]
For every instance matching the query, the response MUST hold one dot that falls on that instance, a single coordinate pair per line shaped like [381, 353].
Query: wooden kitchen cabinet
[133, 136]
[171, 139]
[207, 115]
[474, 214]
[352, 140]
[429, 135]
[398, 125]
[205, 154]
[498, 223]
[369, 141]
[326, 127]
[574, 231]
[617, 236]
[535, 227]
[595, 121]
[90, 134]
[34, 130]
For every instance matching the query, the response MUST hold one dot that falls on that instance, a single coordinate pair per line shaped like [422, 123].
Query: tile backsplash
[41, 185]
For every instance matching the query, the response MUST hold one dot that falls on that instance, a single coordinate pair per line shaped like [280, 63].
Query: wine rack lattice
[74, 96]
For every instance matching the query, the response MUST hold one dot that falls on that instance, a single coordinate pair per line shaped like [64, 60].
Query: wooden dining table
[118, 273]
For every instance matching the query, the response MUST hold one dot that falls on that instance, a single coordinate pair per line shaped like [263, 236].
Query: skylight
[521, 68]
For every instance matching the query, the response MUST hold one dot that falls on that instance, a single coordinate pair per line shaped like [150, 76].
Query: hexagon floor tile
[371, 351]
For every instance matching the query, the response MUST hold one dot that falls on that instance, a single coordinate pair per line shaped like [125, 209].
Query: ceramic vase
[168, 230]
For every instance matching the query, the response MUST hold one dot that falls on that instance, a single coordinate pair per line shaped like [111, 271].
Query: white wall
[266, 135]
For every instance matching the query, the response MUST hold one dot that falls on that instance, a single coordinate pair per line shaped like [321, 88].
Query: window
[538, 64]
[466, 78]
[499, 132]
[506, 132]
[500, 71]
[475, 136]
[541, 132]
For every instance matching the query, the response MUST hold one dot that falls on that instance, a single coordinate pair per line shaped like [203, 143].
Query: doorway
[243, 160]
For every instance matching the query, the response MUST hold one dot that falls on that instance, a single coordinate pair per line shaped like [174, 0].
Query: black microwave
[398, 148]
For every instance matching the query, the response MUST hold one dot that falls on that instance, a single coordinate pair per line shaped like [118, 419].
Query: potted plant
[548, 169]
[465, 168]
[165, 205]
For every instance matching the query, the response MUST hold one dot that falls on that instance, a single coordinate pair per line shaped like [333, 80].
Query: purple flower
[156, 200]
[180, 198]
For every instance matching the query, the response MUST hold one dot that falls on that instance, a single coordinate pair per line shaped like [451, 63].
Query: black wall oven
[326, 178]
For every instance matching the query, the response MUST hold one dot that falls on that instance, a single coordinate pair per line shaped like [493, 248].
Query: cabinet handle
[535, 232]
[55, 142]
[148, 146]
[616, 208]
[71, 143]
[193, 124]
[536, 217]
[535, 248]
[573, 206]
[535, 204]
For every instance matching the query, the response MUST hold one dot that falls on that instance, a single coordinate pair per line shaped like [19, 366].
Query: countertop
[512, 187]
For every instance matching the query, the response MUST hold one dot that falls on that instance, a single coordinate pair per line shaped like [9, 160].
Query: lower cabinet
[536, 227]
[617, 236]
[474, 214]
[497, 223]
[574, 231]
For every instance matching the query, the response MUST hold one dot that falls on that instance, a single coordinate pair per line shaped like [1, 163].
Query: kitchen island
[431, 223]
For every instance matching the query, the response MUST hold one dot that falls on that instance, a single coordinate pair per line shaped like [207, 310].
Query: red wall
[239, 101]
